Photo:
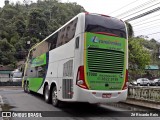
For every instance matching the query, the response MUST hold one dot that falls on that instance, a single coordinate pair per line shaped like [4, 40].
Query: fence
[6, 81]
[151, 94]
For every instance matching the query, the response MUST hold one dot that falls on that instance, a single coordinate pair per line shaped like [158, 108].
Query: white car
[16, 79]
[16, 76]
[143, 81]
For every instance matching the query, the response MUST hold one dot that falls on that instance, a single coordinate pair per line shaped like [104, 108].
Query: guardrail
[5, 79]
[151, 94]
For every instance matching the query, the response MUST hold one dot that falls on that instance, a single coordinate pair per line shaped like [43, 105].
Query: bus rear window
[106, 25]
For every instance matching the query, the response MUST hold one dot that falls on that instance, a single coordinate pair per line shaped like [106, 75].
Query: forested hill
[20, 23]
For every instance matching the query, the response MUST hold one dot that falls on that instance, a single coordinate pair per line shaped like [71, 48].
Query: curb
[143, 103]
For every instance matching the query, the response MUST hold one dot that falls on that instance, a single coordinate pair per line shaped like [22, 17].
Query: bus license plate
[106, 95]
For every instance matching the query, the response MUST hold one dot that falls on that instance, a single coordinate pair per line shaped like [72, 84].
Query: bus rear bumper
[94, 96]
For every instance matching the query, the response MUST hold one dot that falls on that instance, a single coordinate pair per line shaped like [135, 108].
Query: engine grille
[105, 61]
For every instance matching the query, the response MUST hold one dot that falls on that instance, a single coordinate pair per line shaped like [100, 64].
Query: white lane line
[1, 100]
[1, 103]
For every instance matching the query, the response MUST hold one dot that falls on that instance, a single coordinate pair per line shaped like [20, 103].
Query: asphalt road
[14, 99]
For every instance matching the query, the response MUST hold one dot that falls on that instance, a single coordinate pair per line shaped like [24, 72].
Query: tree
[139, 56]
[7, 52]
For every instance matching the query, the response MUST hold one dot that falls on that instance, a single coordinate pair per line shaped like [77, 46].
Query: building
[5, 73]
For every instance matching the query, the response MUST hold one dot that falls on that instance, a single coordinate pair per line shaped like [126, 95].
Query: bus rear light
[80, 78]
[125, 86]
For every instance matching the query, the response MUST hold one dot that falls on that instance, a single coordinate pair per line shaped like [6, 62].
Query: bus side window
[41, 71]
[67, 33]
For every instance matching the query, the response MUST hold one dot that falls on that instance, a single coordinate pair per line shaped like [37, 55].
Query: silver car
[143, 81]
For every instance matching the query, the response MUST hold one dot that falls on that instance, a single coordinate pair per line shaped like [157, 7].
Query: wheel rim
[46, 93]
[54, 97]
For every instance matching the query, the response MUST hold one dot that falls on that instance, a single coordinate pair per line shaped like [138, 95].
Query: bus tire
[47, 97]
[28, 91]
[25, 87]
[55, 101]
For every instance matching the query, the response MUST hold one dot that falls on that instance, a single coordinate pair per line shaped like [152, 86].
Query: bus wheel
[25, 87]
[46, 94]
[55, 101]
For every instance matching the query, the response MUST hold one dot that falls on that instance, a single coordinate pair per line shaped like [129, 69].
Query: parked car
[156, 82]
[133, 83]
[143, 81]
[152, 82]
[16, 76]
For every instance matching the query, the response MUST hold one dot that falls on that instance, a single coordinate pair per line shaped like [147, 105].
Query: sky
[124, 9]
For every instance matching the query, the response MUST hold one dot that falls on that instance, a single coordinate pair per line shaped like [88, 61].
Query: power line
[143, 14]
[133, 9]
[154, 33]
[146, 19]
[124, 6]
[137, 25]
[145, 23]
[147, 28]
[140, 10]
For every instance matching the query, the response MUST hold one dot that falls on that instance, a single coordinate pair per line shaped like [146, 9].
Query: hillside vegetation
[20, 23]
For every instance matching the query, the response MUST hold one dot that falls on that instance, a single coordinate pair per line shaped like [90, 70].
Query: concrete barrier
[5, 79]
[10, 83]
[151, 94]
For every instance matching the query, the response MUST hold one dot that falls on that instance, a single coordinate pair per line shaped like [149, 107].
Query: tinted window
[97, 23]
[66, 33]
[61, 37]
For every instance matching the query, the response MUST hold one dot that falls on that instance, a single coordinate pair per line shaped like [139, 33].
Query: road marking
[1, 100]
[1, 104]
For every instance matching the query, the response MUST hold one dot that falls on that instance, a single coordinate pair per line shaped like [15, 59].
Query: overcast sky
[142, 26]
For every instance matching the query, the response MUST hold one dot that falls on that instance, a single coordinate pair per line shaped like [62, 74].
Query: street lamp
[28, 42]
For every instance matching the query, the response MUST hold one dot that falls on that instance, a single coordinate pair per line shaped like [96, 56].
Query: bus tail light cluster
[80, 78]
[126, 81]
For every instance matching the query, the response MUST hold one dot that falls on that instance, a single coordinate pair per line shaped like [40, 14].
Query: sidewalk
[11, 87]
[143, 103]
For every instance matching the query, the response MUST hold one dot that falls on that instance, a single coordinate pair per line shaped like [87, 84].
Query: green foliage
[20, 23]
[7, 52]
[139, 56]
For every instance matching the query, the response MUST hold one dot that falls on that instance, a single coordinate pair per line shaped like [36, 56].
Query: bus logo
[95, 39]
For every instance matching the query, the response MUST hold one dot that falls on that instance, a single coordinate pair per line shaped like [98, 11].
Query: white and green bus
[86, 60]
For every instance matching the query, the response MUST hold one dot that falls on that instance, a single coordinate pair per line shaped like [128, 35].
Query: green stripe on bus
[35, 83]
[38, 61]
